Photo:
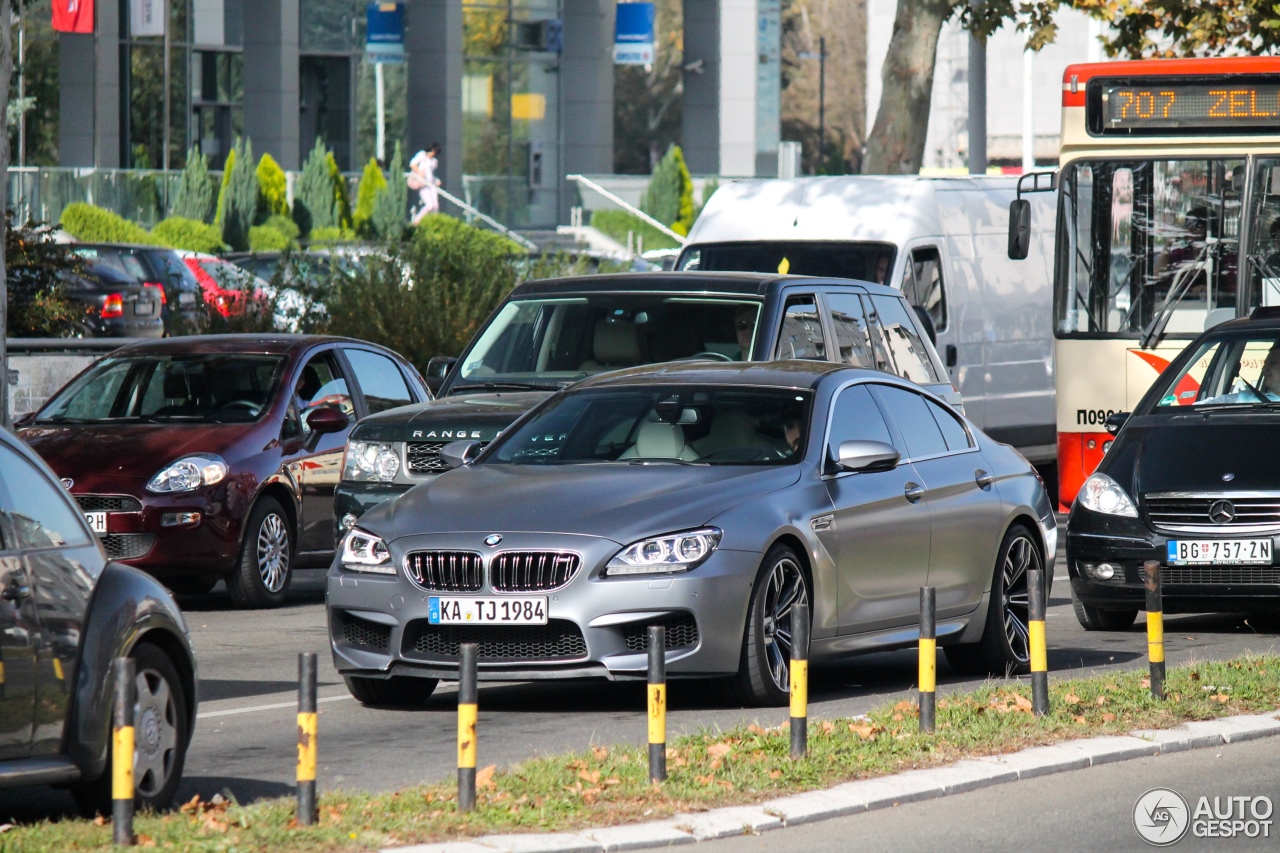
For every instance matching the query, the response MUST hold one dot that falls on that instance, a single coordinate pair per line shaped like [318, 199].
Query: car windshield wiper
[61, 421]
[663, 460]
[504, 385]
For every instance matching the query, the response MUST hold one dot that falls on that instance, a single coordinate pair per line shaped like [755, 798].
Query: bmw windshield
[668, 424]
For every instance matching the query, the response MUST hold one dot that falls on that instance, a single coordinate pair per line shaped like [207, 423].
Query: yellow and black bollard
[928, 658]
[657, 691]
[307, 809]
[468, 714]
[1036, 648]
[800, 680]
[1155, 626]
[122, 752]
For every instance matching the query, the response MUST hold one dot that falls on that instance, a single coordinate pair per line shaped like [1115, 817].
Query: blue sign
[634, 34]
[384, 32]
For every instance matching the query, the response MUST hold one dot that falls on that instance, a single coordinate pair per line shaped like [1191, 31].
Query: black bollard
[468, 715]
[307, 809]
[1036, 642]
[124, 675]
[800, 680]
[657, 703]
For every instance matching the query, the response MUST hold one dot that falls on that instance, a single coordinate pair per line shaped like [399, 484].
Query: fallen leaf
[99, 821]
[905, 706]
[1108, 717]
[1145, 684]
[897, 718]
[725, 783]
[1071, 699]
[143, 840]
[705, 780]
[1221, 697]
[719, 750]
[1195, 676]
[592, 777]
[775, 774]
[1112, 687]
[589, 795]
[484, 777]
[827, 727]
[866, 732]
[1079, 718]
[1022, 703]
[1102, 700]
[754, 729]
[600, 752]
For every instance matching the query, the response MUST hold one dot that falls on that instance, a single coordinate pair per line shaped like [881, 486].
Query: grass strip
[608, 785]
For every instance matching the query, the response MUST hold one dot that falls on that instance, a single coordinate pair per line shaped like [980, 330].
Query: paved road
[244, 739]
[1080, 810]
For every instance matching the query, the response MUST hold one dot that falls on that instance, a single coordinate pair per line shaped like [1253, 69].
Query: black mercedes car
[1191, 480]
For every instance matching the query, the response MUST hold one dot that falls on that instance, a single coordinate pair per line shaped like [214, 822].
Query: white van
[944, 242]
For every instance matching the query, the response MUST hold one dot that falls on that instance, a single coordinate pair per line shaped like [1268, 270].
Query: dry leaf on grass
[866, 731]
[719, 750]
[775, 774]
[1102, 700]
[827, 727]
[1079, 718]
[1145, 684]
[600, 752]
[1071, 699]
[1108, 717]
[143, 840]
[592, 777]
[484, 777]
[1221, 698]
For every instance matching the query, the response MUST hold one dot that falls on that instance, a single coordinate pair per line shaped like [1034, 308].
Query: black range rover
[549, 334]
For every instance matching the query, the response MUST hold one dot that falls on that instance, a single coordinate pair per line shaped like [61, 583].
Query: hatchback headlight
[188, 474]
[364, 552]
[370, 461]
[677, 552]
[1102, 494]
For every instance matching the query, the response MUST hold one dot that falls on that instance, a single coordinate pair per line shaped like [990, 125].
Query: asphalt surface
[1089, 809]
[244, 743]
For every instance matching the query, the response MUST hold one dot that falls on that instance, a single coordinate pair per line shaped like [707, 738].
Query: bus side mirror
[1019, 229]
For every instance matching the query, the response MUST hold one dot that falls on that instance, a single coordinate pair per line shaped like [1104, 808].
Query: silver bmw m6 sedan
[709, 498]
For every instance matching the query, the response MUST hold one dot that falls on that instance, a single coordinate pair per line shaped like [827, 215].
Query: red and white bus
[1168, 223]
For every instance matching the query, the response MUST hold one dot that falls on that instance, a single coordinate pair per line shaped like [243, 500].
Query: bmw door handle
[913, 492]
[983, 479]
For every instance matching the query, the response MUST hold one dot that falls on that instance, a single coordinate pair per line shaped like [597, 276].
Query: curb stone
[866, 794]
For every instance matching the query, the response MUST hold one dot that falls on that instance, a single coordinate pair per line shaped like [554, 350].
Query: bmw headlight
[677, 552]
[370, 461]
[188, 474]
[364, 552]
[1100, 493]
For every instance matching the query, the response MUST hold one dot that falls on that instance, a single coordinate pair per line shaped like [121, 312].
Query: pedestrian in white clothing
[422, 177]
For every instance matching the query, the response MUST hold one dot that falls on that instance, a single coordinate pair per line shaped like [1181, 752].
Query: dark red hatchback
[215, 457]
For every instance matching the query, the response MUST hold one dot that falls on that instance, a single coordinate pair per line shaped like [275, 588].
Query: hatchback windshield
[683, 423]
[547, 342]
[218, 388]
[1229, 372]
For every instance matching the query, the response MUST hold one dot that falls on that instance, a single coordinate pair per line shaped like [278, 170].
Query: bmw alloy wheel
[784, 589]
[1020, 557]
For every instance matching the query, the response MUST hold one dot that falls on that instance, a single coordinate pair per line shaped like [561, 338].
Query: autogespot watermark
[1162, 817]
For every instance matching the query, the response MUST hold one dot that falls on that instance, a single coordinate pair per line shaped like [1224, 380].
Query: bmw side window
[849, 326]
[908, 349]
[43, 518]
[801, 334]
[855, 416]
[922, 285]
[952, 430]
[915, 423]
[380, 380]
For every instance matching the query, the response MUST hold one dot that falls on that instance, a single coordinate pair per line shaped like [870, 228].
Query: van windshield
[863, 261]
[545, 343]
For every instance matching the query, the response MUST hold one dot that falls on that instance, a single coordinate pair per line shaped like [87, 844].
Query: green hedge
[617, 223]
[93, 224]
[264, 238]
[182, 233]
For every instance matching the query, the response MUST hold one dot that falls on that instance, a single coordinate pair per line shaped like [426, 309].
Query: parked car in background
[548, 334]
[181, 300]
[1191, 482]
[67, 614]
[710, 498]
[206, 458]
[113, 305]
[226, 287]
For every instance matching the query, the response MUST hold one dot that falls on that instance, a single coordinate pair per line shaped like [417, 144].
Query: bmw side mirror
[458, 453]
[1019, 229]
[867, 456]
[1113, 422]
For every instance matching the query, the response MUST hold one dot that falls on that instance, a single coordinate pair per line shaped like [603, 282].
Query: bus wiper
[1154, 333]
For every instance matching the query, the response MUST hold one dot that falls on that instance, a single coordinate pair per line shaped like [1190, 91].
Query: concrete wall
[271, 89]
[433, 50]
[586, 73]
[40, 375]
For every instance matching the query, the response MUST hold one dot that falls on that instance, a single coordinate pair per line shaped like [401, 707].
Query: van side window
[849, 325]
[922, 285]
[910, 353]
[801, 334]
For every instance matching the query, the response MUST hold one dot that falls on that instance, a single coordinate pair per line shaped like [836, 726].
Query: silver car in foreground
[709, 498]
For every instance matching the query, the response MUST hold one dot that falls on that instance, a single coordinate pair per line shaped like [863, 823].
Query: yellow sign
[529, 107]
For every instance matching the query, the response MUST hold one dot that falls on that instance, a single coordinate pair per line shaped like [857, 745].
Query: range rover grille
[445, 571]
[423, 457]
[532, 571]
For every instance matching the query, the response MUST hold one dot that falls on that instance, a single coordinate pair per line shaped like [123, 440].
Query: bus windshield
[1153, 247]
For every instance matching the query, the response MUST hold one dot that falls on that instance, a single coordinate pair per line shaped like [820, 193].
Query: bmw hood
[1215, 453]
[478, 416]
[616, 501]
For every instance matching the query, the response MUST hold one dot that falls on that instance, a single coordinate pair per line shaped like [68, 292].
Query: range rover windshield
[675, 424]
[1228, 373]
[546, 343]
[863, 261]
[214, 388]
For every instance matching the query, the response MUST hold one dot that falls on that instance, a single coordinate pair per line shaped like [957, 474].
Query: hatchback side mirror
[1114, 422]
[869, 456]
[1019, 229]
[458, 453]
[327, 419]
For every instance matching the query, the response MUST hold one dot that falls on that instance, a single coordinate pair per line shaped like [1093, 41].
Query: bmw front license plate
[1237, 552]
[97, 521]
[461, 610]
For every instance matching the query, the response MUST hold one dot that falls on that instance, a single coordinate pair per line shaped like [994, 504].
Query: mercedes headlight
[677, 552]
[188, 474]
[370, 461]
[1100, 493]
[364, 552]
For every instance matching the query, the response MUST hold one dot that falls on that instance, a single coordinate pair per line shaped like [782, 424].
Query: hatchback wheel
[1005, 647]
[160, 738]
[397, 690]
[262, 575]
[764, 674]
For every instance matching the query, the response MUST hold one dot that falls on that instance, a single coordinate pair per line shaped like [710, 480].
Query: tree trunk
[896, 143]
[6, 72]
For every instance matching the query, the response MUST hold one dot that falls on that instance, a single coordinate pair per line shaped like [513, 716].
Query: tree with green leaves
[313, 198]
[274, 188]
[338, 183]
[240, 198]
[194, 199]
[372, 182]
[669, 197]
[391, 203]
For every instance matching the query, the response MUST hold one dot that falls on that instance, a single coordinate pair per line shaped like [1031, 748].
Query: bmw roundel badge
[492, 539]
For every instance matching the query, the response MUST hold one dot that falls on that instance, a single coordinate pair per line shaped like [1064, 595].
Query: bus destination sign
[1173, 106]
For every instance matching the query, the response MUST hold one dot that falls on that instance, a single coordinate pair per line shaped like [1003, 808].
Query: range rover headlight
[677, 552]
[188, 474]
[364, 552]
[370, 461]
[1102, 494]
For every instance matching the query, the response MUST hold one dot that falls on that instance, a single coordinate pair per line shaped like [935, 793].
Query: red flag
[73, 16]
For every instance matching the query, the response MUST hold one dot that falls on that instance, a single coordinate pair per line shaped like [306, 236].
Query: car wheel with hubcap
[160, 738]
[1098, 619]
[397, 690]
[1005, 647]
[764, 674]
[262, 575]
